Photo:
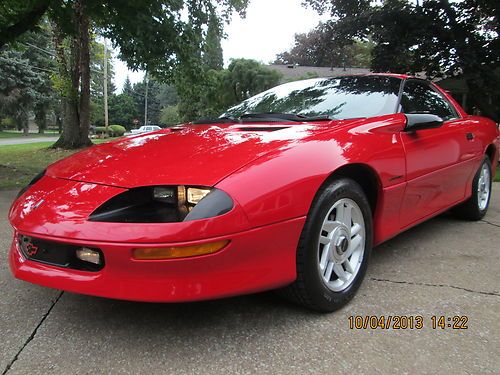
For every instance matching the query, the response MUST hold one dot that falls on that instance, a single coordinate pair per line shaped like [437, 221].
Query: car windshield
[338, 98]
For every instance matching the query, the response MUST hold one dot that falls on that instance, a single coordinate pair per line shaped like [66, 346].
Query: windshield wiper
[216, 120]
[281, 117]
[260, 117]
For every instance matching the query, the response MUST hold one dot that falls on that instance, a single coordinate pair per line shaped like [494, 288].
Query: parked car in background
[145, 129]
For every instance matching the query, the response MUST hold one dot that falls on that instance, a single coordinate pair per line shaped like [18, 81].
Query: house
[295, 72]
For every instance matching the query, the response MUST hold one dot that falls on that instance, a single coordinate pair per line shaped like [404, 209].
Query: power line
[39, 48]
[53, 55]
[38, 68]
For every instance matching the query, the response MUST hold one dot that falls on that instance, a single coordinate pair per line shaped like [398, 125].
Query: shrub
[113, 130]
[100, 130]
[116, 130]
[7, 123]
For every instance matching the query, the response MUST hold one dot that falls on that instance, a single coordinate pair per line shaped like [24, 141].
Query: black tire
[470, 209]
[309, 289]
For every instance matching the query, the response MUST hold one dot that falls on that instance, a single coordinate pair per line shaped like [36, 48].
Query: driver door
[439, 161]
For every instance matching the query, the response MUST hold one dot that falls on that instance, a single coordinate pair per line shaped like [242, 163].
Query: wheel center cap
[340, 242]
[341, 245]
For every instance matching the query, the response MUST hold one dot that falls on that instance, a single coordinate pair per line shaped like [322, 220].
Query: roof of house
[297, 71]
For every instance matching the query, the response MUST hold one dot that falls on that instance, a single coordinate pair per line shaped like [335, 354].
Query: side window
[419, 97]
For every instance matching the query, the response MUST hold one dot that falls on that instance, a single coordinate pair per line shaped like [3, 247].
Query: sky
[268, 29]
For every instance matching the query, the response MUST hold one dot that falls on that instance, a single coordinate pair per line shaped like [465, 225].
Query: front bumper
[255, 260]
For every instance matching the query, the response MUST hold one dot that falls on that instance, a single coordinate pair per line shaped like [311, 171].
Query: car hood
[185, 155]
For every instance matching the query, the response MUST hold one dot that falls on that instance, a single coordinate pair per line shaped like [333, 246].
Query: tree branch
[26, 21]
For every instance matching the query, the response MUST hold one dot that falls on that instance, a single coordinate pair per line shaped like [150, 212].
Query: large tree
[437, 37]
[18, 87]
[156, 35]
[217, 90]
[122, 110]
[154, 105]
[213, 56]
[26, 71]
[318, 47]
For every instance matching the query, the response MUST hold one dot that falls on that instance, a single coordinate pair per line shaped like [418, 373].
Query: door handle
[470, 136]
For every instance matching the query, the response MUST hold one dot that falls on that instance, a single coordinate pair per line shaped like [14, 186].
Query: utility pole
[146, 99]
[106, 118]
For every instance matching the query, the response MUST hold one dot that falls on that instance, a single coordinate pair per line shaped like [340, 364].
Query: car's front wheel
[334, 248]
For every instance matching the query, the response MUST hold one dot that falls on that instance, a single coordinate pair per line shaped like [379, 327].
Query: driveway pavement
[24, 140]
[442, 267]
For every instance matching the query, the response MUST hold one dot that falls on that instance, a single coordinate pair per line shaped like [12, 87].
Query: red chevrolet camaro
[288, 190]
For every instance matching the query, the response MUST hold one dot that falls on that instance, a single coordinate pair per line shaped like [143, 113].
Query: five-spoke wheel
[341, 244]
[476, 206]
[334, 247]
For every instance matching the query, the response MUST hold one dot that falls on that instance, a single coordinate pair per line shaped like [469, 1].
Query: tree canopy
[217, 90]
[318, 47]
[440, 38]
[163, 37]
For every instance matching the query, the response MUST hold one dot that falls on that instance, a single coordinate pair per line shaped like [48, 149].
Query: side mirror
[419, 121]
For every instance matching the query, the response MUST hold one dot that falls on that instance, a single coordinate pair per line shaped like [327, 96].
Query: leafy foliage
[319, 48]
[170, 115]
[438, 37]
[112, 130]
[122, 110]
[116, 130]
[163, 37]
[21, 86]
[18, 17]
[217, 90]
[212, 57]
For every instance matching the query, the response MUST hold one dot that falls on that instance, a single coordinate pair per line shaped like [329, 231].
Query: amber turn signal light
[158, 253]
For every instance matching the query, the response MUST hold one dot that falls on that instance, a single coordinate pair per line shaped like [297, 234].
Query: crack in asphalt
[436, 285]
[489, 222]
[33, 334]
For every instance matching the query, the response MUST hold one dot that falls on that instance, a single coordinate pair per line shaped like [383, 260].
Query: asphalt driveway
[442, 267]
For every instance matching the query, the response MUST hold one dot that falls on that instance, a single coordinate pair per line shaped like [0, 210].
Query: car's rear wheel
[334, 248]
[477, 205]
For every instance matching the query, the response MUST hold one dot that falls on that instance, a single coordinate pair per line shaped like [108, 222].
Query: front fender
[282, 184]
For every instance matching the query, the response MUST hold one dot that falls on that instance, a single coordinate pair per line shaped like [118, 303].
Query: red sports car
[288, 190]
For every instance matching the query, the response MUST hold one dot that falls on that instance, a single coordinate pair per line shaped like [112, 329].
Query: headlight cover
[35, 179]
[164, 204]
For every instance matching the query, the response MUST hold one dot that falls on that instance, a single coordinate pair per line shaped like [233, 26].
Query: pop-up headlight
[163, 204]
[164, 194]
[195, 195]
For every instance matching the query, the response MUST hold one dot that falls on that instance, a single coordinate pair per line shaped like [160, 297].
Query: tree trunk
[58, 113]
[26, 128]
[76, 100]
[23, 119]
[40, 118]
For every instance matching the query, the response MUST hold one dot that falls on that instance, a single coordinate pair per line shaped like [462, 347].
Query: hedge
[113, 130]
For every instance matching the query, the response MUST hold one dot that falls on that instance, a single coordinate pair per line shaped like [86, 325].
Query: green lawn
[497, 176]
[16, 134]
[20, 163]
